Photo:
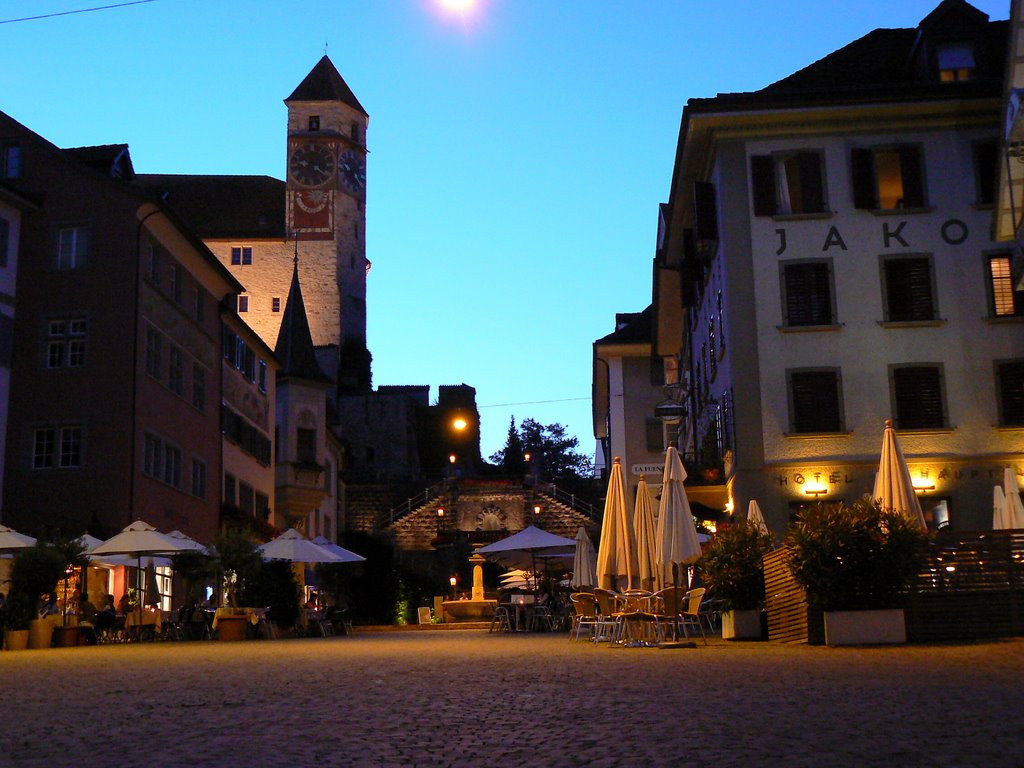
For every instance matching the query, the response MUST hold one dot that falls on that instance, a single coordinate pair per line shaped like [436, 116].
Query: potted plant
[35, 572]
[240, 566]
[734, 571]
[17, 614]
[855, 562]
[66, 635]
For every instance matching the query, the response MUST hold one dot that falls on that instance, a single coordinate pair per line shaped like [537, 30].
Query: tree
[553, 453]
[510, 458]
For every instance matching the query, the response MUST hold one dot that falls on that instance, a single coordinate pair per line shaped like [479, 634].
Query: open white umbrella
[678, 544]
[523, 549]
[999, 521]
[139, 539]
[345, 555]
[11, 540]
[1014, 508]
[584, 563]
[893, 487]
[755, 516]
[188, 542]
[616, 553]
[293, 546]
[646, 538]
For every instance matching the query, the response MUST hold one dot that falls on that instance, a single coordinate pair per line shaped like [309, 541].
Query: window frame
[1001, 394]
[241, 255]
[78, 258]
[887, 286]
[796, 419]
[768, 174]
[865, 177]
[990, 286]
[198, 485]
[783, 287]
[895, 397]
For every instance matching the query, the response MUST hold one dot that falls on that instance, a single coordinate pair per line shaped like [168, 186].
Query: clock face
[311, 164]
[352, 169]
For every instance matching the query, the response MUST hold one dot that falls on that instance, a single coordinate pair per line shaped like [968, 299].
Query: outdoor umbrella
[188, 543]
[1014, 508]
[524, 549]
[678, 544]
[152, 590]
[646, 539]
[292, 545]
[616, 553]
[344, 554]
[999, 520]
[754, 515]
[11, 540]
[893, 488]
[584, 563]
[139, 539]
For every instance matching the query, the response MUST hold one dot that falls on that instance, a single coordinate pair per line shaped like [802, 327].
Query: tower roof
[325, 83]
[294, 346]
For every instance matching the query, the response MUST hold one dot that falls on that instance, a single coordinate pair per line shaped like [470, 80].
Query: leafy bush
[240, 562]
[732, 565]
[35, 572]
[854, 557]
[274, 586]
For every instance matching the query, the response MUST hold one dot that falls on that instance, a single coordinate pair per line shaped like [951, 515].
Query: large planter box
[16, 639]
[232, 627]
[882, 627]
[65, 637]
[40, 633]
[741, 625]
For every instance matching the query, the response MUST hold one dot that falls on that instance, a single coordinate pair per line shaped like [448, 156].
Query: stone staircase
[368, 506]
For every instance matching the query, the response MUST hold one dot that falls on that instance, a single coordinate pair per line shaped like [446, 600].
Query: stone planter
[232, 627]
[741, 625]
[65, 637]
[40, 633]
[881, 627]
[16, 639]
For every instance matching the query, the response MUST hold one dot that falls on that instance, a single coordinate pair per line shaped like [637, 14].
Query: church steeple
[294, 346]
[325, 83]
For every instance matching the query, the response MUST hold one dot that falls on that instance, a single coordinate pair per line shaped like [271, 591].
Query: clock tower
[326, 211]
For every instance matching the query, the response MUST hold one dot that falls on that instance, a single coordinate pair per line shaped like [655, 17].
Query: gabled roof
[112, 159]
[294, 346]
[222, 206]
[325, 83]
[632, 328]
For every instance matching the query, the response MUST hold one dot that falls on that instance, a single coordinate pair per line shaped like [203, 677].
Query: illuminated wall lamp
[922, 486]
[816, 490]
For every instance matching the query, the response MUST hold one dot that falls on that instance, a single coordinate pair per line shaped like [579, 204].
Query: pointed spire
[294, 346]
[325, 83]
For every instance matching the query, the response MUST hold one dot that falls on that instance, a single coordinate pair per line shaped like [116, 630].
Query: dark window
[243, 304]
[787, 183]
[262, 506]
[241, 255]
[815, 404]
[888, 178]
[262, 376]
[10, 161]
[175, 369]
[5, 240]
[6, 340]
[246, 500]
[152, 456]
[199, 386]
[918, 397]
[200, 305]
[229, 490]
[65, 343]
[705, 211]
[44, 448]
[172, 466]
[986, 170]
[908, 289]
[177, 283]
[807, 297]
[314, 122]
[655, 434]
[1005, 300]
[199, 478]
[305, 442]
[657, 370]
[1010, 386]
[275, 304]
[154, 341]
[73, 248]
[154, 262]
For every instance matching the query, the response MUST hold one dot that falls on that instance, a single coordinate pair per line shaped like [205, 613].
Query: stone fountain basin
[468, 610]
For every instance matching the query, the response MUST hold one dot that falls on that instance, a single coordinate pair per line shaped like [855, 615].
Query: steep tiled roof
[325, 83]
[112, 159]
[294, 346]
[636, 328]
[222, 206]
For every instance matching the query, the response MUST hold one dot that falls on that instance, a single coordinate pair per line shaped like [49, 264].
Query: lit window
[956, 62]
[888, 178]
[1005, 300]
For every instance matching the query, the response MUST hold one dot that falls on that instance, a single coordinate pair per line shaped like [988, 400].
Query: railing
[413, 502]
[571, 500]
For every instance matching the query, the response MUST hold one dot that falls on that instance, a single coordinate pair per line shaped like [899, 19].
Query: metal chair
[690, 616]
[502, 619]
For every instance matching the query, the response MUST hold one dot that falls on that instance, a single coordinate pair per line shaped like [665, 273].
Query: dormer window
[314, 122]
[955, 62]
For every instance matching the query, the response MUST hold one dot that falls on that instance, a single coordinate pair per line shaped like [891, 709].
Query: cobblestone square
[468, 698]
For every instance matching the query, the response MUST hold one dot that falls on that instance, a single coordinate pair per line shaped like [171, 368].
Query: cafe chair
[610, 615]
[690, 616]
[502, 620]
[584, 608]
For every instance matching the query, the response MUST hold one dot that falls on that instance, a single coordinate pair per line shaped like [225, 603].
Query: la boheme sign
[647, 469]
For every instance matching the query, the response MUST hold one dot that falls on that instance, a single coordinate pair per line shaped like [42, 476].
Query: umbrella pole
[138, 573]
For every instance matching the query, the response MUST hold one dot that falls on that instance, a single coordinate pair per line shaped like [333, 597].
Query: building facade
[829, 264]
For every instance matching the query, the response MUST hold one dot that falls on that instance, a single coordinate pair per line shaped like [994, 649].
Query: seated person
[106, 617]
[87, 616]
[47, 605]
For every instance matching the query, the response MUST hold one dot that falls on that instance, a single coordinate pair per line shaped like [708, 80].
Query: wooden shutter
[1011, 393]
[705, 216]
[762, 175]
[986, 161]
[815, 399]
[918, 394]
[908, 284]
[808, 294]
[811, 187]
[912, 173]
[865, 191]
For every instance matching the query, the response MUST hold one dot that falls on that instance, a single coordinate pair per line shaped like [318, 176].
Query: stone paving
[469, 698]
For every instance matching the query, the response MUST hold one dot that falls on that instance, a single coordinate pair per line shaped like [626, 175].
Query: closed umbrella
[1014, 507]
[584, 563]
[893, 488]
[616, 554]
[293, 546]
[646, 538]
[344, 554]
[754, 515]
[999, 520]
[677, 540]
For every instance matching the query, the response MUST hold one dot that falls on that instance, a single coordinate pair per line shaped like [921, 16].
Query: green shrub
[854, 557]
[732, 565]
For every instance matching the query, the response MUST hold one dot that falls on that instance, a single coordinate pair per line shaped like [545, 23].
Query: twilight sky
[518, 151]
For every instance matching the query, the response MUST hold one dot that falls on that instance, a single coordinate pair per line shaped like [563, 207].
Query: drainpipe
[135, 363]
